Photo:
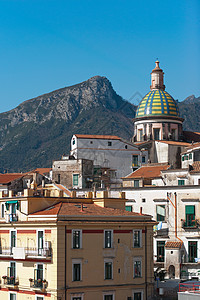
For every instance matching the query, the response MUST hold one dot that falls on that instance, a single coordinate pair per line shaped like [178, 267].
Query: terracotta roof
[173, 244]
[148, 171]
[191, 136]
[175, 143]
[8, 177]
[40, 171]
[102, 137]
[89, 209]
[193, 146]
[196, 166]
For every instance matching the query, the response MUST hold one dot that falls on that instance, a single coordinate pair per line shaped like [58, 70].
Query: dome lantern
[157, 78]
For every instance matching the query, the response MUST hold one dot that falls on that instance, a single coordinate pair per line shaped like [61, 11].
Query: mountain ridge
[39, 130]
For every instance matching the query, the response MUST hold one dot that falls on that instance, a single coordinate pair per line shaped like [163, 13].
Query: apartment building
[53, 247]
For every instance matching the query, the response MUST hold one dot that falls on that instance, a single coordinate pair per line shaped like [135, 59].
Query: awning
[12, 202]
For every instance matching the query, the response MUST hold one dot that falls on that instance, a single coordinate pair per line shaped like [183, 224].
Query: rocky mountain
[190, 111]
[39, 130]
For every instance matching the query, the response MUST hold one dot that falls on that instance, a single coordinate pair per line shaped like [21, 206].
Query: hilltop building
[52, 247]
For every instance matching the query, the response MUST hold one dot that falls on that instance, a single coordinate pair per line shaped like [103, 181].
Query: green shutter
[128, 207]
[190, 209]
[75, 179]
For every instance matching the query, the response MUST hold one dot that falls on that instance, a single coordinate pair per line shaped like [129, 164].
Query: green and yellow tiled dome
[157, 103]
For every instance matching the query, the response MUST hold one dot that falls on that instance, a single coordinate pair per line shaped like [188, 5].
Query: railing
[12, 218]
[30, 252]
[193, 287]
[11, 280]
[36, 283]
[190, 223]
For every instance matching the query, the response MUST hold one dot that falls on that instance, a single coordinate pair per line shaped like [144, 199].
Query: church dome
[157, 103]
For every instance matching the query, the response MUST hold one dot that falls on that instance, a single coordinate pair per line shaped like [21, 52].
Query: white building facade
[109, 152]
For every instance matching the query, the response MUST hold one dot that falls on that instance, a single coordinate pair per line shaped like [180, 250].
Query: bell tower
[157, 78]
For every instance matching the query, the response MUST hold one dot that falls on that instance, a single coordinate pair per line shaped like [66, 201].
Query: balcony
[11, 218]
[190, 224]
[24, 252]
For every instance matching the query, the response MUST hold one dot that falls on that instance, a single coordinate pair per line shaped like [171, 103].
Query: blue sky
[47, 44]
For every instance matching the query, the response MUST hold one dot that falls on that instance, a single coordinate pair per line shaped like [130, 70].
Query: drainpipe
[146, 261]
[175, 207]
[65, 261]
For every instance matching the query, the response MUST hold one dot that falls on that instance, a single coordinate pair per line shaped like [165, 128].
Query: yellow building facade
[73, 248]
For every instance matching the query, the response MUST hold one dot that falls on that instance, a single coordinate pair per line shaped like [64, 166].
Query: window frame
[140, 238]
[136, 183]
[3, 210]
[75, 174]
[80, 241]
[138, 291]
[108, 261]
[41, 296]
[109, 144]
[76, 262]
[111, 246]
[12, 292]
[13, 230]
[109, 293]
[77, 295]
[181, 182]
[161, 205]
[137, 259]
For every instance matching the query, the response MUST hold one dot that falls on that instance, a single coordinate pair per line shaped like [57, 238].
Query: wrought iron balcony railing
[25, 252]
[190, 223]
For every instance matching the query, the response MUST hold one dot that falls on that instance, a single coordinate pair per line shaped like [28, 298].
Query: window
[73, 142]
[189, 215]
[109, 144]
[75, 179]
[40, 240]
[182, 157]
[156, 132]
[192, 251]
[58, 181]
[135, 160]
[143, 200]
[190, 156]
[76, 239]
[13, 296]
[137, 238]
[137, 268]
[108, 238]
[129, 208]
[11, 274]
[160, 251]
[12, 239]
[91, 142]
[137, 296]
[108, 269]
[38, 276]
[136, 183]
[181, 182]
[76, 270]
[173, 134]
[126, 147]
[39, 298]
[160, 212]
[76, 298]
[2, 211]
[108, 297]
[140, 135]
[143, 159]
